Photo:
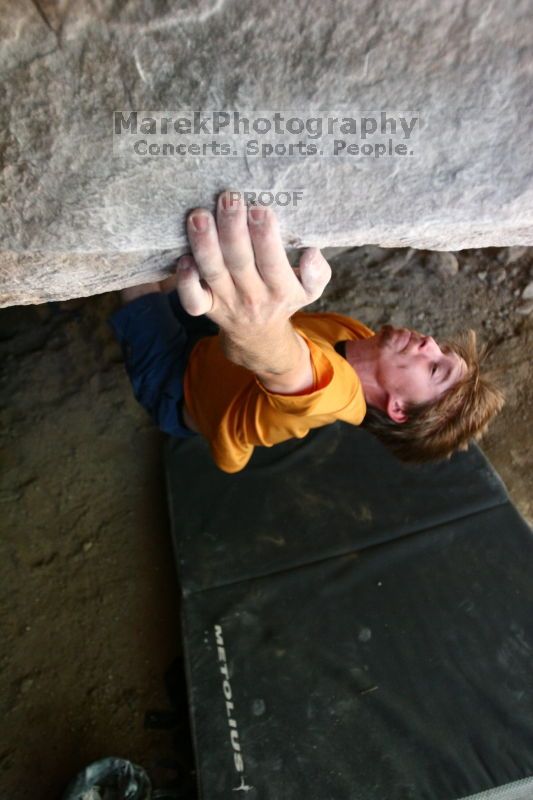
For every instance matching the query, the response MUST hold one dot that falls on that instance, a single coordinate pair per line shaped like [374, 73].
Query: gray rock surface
[445, 264]
[78, 218]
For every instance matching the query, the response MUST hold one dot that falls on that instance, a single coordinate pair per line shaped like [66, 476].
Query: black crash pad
[354, 628]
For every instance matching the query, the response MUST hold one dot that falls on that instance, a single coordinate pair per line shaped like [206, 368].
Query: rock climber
[222, 349]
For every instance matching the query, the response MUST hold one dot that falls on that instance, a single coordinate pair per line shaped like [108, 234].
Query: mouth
[397, 338]
[404, 339]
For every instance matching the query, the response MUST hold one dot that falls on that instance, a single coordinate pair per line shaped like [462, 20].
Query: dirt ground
[89, 597]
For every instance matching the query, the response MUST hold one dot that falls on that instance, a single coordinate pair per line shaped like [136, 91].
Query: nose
[428, 345]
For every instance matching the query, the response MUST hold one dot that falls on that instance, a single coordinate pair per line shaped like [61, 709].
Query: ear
[396, 410]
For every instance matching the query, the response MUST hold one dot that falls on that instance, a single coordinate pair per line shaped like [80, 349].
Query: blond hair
[435, 430]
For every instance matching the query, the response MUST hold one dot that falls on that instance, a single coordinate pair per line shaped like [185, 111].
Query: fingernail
[230, 202]
[199, 222]
[257, 215]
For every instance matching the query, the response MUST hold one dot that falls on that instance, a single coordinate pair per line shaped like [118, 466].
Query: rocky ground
[90, 607]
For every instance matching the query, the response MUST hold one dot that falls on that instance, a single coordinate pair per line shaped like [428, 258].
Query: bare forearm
[278, 355]
[262, 349]
[133, 292]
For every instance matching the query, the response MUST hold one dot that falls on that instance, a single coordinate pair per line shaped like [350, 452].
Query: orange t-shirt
[235, 412]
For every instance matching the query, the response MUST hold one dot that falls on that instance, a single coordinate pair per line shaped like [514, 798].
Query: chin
[386, 334]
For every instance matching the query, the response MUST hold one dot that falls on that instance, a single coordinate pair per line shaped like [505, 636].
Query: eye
[434, 369]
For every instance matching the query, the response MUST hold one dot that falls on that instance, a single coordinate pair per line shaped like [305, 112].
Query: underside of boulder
[88, 207]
